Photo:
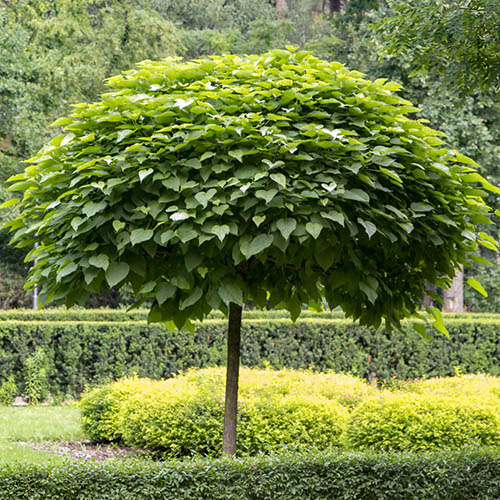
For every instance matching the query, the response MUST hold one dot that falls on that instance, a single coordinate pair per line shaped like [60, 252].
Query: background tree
[281, 179]
[54, 54]
[460, 39]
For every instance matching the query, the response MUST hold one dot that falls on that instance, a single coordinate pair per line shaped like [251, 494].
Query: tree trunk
[428, 300]
[232, 375]
[454, 296]
[280, 5]
[334, 6]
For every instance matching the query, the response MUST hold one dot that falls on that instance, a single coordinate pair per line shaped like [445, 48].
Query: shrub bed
[468, 475]
[422, 422]
[92, 353]
[184, 415]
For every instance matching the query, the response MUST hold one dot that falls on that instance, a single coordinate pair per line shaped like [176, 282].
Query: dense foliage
[460, 39]
[310, 476]
[318, 186]
[94, 352]
[421, 422]
[183, 415]
[92, 40]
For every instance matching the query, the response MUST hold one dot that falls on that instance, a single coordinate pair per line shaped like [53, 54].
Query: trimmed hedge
[109, 315]
[468, 475]
[183, 415]
[92, 353]
[419, 422]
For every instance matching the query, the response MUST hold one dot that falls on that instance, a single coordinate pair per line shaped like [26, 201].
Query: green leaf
[165, 292]
[100, 260]
[266, 194]
[67, 269]
[259, 219]
[117, 272]
[477, 286]
[237, 153]
[356, 195]
[334, 216]
[192, 260]
[140, 235]
[186, 233]
[368, 291]
[230, 292]
[286, 227]
[90, 208]
[172, 183]
[420, 329]
[9, 203]
[220, 231]
[279, 179]
[255, 246]
[421, 207]
[206, 155]
[314, 229]
[192, 299]
[145, 173]
[370, 228]
[118, 225]
[204, 197]
[122, 133]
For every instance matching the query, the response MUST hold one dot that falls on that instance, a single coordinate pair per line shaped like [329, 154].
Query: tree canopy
[460, 39]
[281, 179]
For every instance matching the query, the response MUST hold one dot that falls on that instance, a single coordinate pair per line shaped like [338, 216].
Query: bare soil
[85, 450]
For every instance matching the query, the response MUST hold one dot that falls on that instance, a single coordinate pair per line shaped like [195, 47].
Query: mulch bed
[85, 450]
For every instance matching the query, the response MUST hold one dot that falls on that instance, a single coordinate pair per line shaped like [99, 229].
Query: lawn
[36, 424]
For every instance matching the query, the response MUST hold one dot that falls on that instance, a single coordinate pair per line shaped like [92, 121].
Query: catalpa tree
[279, 179]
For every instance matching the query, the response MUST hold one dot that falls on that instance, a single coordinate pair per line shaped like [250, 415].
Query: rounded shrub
[184, 415]
[290, 421]
[405, 421]
[100, 408]
[480, 387]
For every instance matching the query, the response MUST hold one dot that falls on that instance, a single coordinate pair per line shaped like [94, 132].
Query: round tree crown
[280, 179]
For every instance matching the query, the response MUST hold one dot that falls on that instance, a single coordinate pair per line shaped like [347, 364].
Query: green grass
[36, 424]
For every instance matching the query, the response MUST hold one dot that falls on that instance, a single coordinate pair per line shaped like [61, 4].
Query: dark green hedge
[330, 476]
[88, 353]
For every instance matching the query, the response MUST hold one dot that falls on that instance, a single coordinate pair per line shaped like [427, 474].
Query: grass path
[37, 424]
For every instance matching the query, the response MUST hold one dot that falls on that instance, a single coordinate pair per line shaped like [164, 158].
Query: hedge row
[87, 353]
[109, 315]
[470, 475]
[183, 415]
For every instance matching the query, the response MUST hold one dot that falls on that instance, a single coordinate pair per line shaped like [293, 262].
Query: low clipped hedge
[422, 422]
[111, 315]
[468, 475]
[82, 353]
[184, 415]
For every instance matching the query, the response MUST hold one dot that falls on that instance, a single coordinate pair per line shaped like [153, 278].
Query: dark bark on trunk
[334, 6]
[232, 375]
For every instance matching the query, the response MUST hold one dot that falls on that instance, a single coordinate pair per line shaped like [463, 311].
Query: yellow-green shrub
[292, 421]
[480, 387]
[100, 408]
[345, 389]
[406, 421]
[184, 415]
